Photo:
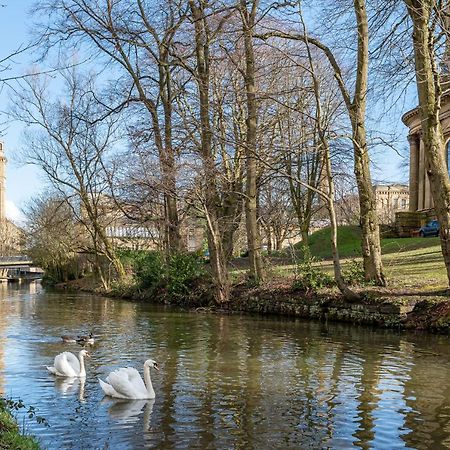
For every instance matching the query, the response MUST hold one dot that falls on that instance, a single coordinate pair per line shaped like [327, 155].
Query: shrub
[182, 272]
[151, 273]
[309, 277]
[148, 268]
[353, 273]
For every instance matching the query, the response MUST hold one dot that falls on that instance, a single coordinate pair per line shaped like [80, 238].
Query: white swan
[67, 364]
[127, 383]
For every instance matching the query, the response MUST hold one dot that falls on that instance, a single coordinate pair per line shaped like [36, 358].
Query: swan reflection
[129, 411]
[70, 385]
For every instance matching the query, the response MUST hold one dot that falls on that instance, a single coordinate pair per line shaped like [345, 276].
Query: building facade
[390, 199]
[419, 185]
[12, 238]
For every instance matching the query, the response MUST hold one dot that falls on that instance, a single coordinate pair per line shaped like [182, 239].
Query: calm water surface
[226, 382]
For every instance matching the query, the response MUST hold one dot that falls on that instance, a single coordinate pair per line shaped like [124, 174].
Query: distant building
[11, 236]
[129, 233]
[390, 199]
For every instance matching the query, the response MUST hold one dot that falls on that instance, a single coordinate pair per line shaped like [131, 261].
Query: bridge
[14, 261]
[18, 267]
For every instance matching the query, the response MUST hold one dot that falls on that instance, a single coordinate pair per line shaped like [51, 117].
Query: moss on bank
[10, 436]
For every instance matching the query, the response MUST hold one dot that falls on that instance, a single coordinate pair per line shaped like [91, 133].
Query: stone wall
[407, 223]
[409, 312]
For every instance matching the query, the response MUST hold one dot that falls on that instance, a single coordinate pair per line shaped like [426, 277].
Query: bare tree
[138, 37]
[55, 238]
[71, 147]
[248, 13]
[356, 108]
[278, 218]
[205, 32]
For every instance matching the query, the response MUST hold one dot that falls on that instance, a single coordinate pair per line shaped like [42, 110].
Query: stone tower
[2, 182]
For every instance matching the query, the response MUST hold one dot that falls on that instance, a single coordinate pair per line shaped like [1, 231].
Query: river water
[226, 382]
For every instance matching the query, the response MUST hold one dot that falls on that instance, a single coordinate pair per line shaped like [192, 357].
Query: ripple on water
[225, 381]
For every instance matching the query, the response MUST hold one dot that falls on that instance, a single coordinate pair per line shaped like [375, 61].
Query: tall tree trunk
[168, 168]
[371, 247]
[342, 285]
[305, 236]
[253, 234]
[429, 91]
[217, 255]
[269, 240]
[328, 195]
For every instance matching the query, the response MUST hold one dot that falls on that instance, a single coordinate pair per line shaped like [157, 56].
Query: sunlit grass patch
[10, 436]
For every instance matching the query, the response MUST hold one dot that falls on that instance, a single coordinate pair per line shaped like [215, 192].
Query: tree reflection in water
[225, 381]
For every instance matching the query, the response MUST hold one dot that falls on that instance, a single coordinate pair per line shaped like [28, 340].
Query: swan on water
[68, 365]
[127, 383]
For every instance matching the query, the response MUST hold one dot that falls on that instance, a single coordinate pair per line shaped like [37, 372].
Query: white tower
[2, 183]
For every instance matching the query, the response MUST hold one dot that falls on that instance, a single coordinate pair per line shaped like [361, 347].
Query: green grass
[349, 241]
[10, 436]
[410, 264]
[417, 266]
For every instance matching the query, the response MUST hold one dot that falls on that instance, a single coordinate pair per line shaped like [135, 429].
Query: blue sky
[24, 181]
[21, 182]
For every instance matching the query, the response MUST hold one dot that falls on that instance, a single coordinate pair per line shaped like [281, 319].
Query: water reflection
[225, 381]
[129, 411]
[67, 386]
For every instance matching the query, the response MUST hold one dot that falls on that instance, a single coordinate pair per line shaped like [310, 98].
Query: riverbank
[379, 307]
[416, 297]
[10, 436]
[385, 309]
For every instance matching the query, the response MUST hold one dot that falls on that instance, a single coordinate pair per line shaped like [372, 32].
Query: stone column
[2, 183]
[413, 171]
[421, 177]
[428, 201]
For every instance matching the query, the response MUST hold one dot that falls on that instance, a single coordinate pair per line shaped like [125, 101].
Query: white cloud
[13, 212]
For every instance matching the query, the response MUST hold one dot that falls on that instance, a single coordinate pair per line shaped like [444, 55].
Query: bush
[148, 268]
[183, 270]
[152, 273]
[309, 278]
[353, 273]
[11, 436]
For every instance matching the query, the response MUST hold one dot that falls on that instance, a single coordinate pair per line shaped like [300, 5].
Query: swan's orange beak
[155, 366]
[88, 355]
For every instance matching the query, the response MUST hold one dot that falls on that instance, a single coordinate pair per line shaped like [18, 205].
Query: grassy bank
[411, 264]
[416, 295]
[10, 436]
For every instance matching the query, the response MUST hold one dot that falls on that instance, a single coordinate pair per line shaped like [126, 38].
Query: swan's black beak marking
[88, 355]
[155, 366]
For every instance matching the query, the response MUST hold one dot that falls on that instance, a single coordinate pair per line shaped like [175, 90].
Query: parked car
[430, 229]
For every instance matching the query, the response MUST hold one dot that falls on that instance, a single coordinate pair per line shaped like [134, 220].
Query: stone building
[420, 200]
[12, 238]
[390, 199]
[125, 232]
[419, 185]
